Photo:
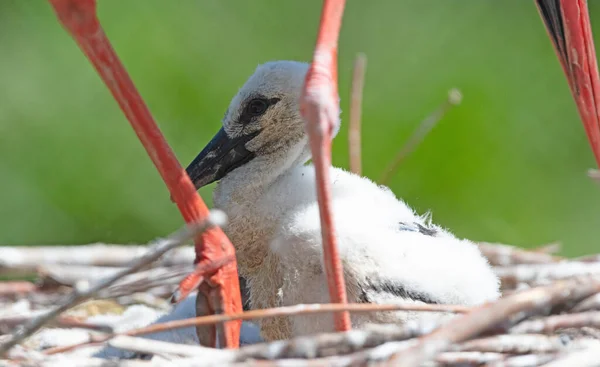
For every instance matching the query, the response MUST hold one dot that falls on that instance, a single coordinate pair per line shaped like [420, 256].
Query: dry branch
[8, 323]
[515, 344]
[148, 346]
[275, 312]
[81, 293]
[588, 357]
[594, 174]
[354, 131]
[28, 259]
[527, 360]
[162, 277]
[454, 98]
[507, 310]
[551, 324]
[551, 248]
[504, 255]
[16, 287]
[588, 304]
[543, 274]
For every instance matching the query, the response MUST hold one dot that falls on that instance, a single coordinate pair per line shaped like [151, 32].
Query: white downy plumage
[390, 254]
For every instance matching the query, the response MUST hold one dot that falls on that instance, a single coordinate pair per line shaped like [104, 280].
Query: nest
[549, 314]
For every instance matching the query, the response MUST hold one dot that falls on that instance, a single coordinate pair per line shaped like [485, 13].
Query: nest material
[549, 315]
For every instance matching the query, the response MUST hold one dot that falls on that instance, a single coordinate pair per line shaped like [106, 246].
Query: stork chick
[389, 253]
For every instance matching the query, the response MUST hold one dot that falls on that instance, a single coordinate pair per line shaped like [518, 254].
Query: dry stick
[148, 346]
[354, 133]
[215, 218]
[529, 302]
[469, 358]
[594, 174]
[10, 322]
[275, 312]
[588, 357]
[588, 304]
[27, 259]
[454, 99]
[550, 324]
[542, 274]
[163, 277]
[515, 344]
[525, 360]
[503, 255]
[551, 248]
[16, 287]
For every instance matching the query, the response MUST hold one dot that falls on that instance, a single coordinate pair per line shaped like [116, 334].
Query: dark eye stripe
[248, 115]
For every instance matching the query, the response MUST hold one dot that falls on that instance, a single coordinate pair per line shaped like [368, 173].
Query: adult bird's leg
[80, 20]
[320, 108]
[568, 25]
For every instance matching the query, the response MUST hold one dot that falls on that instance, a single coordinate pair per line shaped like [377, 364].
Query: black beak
[221, 156]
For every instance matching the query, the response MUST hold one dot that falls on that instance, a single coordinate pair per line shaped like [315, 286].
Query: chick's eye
[257, 107]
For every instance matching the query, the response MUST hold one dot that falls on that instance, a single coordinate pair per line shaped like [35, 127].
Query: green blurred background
[508, 165]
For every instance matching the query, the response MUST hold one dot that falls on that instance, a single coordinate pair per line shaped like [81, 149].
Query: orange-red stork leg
[568, 25]
[320, 109]
[223, 293]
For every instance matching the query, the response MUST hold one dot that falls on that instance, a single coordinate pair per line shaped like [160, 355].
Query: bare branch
[588, 357]
[515, 344]
[526, 360]
[164, 278]
[354, 130]
[23, 260]
[594, 174]
[543, 274]
[552, 323]
[504, 255]
[149, 346]
[507, 310]
[551, 248]
[16, 287]
[454, 98]
[81, 293]
[588, 304]
[275, 312]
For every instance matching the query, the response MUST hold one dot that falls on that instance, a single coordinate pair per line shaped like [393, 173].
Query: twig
[354, 129]
[515, 344]
[507, 310]
[275, 312]
[331, 344]
[16, 259]
[588, 357]
[588, 304]
[551, 248]
[79, 294]
[587, 258]
[162, 277]
[469, 358]
[550, 324]
[542, 274]
[148, 346]
[10, 322]
[594, 174]
[526, 360]
[16, 287]
[504, 255]
[454, 98]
